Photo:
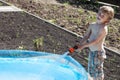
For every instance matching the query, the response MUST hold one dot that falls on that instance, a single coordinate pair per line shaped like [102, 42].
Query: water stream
[61, 58]
[65, 54]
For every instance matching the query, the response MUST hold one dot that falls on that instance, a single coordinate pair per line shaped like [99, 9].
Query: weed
[80, 11]
[110, 29]
[77, 21]
[55, 8]
[118, 38]
[86, 58]
[52, 21]
[1, 4]
[38, 43]
[54, 51]
[84, 51]
[66, 3]
[92, 18]
[17, 35]
[112, 59]
[22, 47]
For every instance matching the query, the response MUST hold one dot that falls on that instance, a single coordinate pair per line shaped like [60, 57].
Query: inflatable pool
[33, 65]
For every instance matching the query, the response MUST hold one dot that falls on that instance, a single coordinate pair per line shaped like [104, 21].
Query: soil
[20, 30]
[72, 17]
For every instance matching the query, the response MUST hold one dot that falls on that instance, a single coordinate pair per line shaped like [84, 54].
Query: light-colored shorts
[95, 64]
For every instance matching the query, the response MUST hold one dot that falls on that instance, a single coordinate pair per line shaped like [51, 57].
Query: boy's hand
[71, 50]
[76, 46]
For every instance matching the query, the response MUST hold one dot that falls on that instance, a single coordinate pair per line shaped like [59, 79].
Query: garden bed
[20, 30]
[73, 17]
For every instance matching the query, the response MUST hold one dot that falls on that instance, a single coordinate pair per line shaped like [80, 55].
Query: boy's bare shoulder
[106, 29]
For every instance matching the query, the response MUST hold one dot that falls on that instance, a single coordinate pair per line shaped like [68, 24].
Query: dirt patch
[20, 29]
[73, 17]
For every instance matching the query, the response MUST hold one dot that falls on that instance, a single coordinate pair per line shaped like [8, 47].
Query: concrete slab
[9, 9]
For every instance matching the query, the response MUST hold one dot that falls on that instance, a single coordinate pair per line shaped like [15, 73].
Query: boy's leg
[91, 69]
[95, 65]
[99, 65]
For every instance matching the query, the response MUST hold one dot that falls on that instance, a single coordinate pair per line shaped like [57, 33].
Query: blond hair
[108, 10]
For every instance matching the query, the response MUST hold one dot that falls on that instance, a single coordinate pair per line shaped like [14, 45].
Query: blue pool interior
[33, 65]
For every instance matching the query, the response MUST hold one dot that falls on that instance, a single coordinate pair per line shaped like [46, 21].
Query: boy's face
[102, 17]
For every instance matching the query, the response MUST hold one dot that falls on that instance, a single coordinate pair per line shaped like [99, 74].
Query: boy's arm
[100, 37]
[83, 41]
[86, 36]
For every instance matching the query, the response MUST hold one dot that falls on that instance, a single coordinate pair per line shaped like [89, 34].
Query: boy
[95, 35]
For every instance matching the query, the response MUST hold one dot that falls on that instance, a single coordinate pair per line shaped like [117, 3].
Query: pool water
[41, 67]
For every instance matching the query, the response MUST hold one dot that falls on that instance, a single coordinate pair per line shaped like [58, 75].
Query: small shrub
[38, 43]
